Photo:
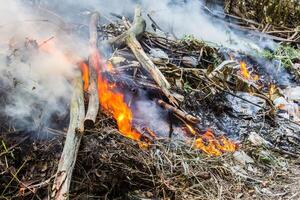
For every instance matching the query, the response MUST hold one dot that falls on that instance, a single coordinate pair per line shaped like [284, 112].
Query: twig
[154, 23]
[14, 177]
[130, 38]
[44, 42]
[15, 145]
[178, 112]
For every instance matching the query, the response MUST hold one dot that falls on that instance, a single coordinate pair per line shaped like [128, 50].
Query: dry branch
[61, 185]
[130, 38]
[93, 106]
[178, 112]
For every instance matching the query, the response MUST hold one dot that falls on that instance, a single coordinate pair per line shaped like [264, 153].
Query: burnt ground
[110, 166]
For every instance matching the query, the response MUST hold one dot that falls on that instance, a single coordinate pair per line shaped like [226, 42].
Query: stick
[154, 23]
[178, 112]
[130, 39]
[93, 106]
[61, 185]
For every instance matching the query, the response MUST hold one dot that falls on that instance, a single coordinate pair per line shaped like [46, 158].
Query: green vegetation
[287, 55]
[276, 12]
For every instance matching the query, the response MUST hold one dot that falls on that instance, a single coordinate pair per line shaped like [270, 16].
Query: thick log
[178, 112]
[130, 38]
[61, 185]
[93, 106]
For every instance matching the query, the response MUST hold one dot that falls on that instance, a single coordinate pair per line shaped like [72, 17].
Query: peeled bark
[93, 106]
[61, 185]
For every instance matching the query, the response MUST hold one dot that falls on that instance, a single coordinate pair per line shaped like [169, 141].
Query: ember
[212, 145]
[272, 90]
[244, 71]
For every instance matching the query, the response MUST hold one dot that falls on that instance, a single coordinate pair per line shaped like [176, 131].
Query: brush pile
[227, 127]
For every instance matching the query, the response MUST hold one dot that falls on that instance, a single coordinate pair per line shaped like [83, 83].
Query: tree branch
[61, 185]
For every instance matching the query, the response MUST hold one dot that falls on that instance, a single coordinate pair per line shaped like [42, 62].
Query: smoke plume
[39, 52]
[37, 61]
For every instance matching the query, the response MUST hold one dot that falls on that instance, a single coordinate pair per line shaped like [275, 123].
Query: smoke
[37, 62]
[276, 71]
[153, 117]
[36, 77]
[180, 17]
[176, 17]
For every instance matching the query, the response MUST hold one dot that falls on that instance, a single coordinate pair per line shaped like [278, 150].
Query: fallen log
[130, 38]
[61, 185]
[178, 112]
[93, 106]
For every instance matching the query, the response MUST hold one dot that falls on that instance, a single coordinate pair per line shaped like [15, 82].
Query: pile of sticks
[80, 121]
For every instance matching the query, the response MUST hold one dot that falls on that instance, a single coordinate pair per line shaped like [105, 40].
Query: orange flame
[244, 71]
[246, 74]
[113, 101]
[213, 146]
[85, 75]
[109, 66]
[272, 90]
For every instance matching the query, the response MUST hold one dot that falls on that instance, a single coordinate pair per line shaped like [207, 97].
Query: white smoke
[153, 117]
[38, 81]
[35, 73]
[178, 16]
[189, 17]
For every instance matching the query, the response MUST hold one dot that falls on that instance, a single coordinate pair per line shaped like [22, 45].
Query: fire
[272, 90]
[109, 67]
[98, 61]
[246, 74]
[113, 101]
[85, 75]
[244, 71]
[211, 145]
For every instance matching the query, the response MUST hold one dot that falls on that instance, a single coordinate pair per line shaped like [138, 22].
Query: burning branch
[130, 38]
[178, 112]
[61, 185]
[93, 106]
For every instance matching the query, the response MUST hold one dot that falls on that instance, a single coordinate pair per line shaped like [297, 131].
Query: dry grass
[116, 167]
[110, 166]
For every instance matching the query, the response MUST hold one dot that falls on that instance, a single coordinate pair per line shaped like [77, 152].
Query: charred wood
[178, 112]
